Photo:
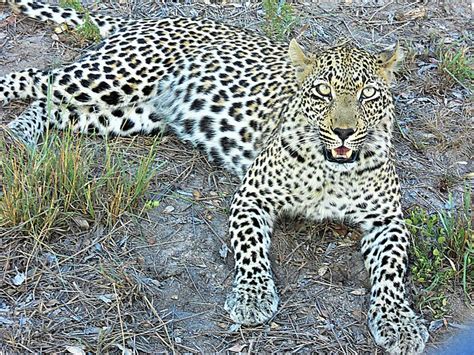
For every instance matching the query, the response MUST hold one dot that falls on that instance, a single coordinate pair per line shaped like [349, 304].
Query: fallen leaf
[274, 325]
[323, 270]
[10, 20]
[155, 282]
[76, 350]
[234, 327]
[359, 292]
[107, 298]
[324, 339]
[223, 251]
[340, 229]
[168, 209]
[197, 195]
[81, 222]
[359, 314]
[237, 348]
[453, 266]
[19, 278]
[346, 242]
[52, 303]
[61, 28]
[413, 14]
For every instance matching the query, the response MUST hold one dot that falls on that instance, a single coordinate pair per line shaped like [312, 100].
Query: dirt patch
[158, 282]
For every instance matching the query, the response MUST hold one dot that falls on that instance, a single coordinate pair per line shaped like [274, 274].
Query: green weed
[457, 65]
[65, 180]
[443, 248]
[72, 4]
[280, 18]
[88, 30]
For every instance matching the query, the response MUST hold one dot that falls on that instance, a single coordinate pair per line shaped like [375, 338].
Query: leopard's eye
[323, 90]
[368, 92]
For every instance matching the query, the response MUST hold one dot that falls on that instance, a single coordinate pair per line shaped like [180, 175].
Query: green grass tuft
[72, 4]
[280, 18]
[443, 248]
[457, 65]
[66, 179]
[88, 30]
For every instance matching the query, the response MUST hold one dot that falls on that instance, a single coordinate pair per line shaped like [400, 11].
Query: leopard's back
[219, 87]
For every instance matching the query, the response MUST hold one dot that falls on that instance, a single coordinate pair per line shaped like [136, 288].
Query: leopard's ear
[389, 61]
[300, 61]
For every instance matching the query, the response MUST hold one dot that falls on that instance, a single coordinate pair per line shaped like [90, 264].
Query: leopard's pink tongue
[342, 150]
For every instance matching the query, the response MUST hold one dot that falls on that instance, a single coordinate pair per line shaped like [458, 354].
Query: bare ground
[157, 282]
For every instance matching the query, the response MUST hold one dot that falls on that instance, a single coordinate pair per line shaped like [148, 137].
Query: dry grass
[156, 281]
[66, 179]
[83, 293]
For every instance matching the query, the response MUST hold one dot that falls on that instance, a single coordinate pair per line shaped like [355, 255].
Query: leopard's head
[345, 95]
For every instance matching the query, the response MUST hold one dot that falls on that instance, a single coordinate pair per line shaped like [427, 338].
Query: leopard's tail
[72, 18]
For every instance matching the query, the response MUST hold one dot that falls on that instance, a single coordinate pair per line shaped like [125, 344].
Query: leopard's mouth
[341, 155]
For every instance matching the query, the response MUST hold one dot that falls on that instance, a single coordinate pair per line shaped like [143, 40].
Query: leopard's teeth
[347, 155]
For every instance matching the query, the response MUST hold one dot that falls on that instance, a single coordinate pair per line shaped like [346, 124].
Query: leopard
[308, 134]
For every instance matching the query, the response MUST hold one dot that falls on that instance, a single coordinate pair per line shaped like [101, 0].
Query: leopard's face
[345, 97]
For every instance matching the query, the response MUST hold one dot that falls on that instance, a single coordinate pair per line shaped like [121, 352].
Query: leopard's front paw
[250, 304]
[398, 332]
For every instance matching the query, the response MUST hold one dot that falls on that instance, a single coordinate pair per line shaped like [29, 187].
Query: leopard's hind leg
[59, 101]
[30, 126]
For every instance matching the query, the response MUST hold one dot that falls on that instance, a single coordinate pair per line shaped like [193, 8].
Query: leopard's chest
[329, 200]
[322, 193]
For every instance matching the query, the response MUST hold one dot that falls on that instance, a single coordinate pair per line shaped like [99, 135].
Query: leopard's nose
[343, 133]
